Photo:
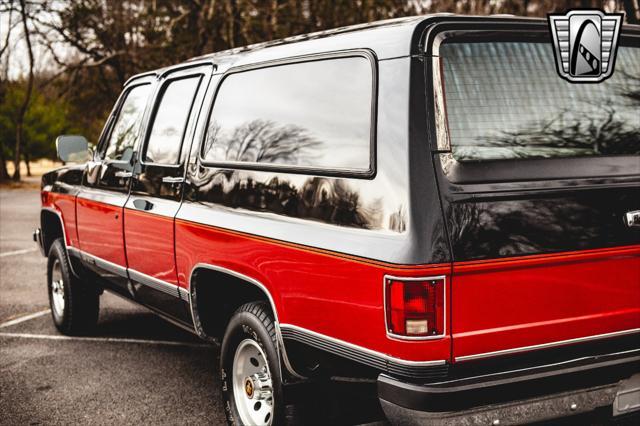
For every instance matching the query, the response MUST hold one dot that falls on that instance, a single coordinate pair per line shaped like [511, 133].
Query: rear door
[106, 183]
[537, 178]
[156, 189]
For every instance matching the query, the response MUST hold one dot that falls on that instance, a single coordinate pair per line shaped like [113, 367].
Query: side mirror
[73, 148]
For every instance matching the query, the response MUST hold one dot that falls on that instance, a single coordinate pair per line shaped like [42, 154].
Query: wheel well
[51, 225]
[218, 295]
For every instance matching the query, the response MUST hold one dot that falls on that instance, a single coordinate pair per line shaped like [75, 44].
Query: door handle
[170, 179]
[141, 204]
[123, 174]
[632, 219]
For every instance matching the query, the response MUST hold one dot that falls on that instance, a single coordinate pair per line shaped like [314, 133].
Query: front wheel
[250, 368]
[74, 304]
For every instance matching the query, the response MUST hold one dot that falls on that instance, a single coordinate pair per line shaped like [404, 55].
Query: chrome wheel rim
[252, 384]
[57, 289]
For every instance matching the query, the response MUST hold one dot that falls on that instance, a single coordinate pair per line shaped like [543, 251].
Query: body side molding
[413, 369]
[547, 345]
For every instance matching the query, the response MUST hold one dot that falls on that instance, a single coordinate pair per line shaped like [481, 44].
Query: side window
[315, 114]
[170, 120]
[125, 130]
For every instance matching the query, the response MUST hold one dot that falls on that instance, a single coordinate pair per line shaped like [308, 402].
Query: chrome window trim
[394, 336]
[308, 170]
[367, 351]
[105, 136]
[547, 345]
[250, 280]
[440, 120]
[166, 80]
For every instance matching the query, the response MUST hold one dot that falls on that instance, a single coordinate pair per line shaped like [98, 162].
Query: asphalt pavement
[135, 369]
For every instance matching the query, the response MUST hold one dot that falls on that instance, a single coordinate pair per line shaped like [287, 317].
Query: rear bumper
[513, 397]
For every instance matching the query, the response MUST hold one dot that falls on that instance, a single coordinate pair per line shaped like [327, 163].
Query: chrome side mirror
[73, 148]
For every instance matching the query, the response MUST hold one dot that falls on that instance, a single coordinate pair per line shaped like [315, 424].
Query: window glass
[506, 100]
[127, 126]
[170, 121]
[309, 114]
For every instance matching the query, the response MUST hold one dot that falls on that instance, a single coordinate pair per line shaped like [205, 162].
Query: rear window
[314, 114]
[505, 100]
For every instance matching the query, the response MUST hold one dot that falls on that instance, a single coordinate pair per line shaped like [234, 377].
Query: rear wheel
[250, 368]
[74, 304]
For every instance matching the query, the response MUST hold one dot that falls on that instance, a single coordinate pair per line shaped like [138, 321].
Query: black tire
[79, 312]
[252, 321]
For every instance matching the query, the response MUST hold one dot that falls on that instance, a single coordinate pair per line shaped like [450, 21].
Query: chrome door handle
[632, 219]
[123, 174]
[170, 179]
[141, 204]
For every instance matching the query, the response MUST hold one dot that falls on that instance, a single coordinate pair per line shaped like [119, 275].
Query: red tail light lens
[415, 307]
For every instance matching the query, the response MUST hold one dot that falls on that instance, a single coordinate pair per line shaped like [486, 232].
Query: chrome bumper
[518, 397]
[37, 237]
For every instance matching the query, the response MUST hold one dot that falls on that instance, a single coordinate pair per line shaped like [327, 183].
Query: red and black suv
[422, 203]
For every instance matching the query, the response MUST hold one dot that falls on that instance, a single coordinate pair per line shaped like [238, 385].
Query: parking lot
[136, 369]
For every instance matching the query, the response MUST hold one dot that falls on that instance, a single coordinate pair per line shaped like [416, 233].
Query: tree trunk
[27, 160]
[631, 10]
[4, 174]
[27, 97]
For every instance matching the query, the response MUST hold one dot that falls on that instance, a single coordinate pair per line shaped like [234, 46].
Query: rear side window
[504, 100]
[126, 129]
[170, 121]
[315, 114]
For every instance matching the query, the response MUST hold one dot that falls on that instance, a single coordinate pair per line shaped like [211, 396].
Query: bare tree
[27, 97]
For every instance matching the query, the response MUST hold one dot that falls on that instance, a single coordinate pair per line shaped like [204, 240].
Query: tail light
[415, 307]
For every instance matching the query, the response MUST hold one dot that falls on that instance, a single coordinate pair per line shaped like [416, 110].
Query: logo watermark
[585, 43]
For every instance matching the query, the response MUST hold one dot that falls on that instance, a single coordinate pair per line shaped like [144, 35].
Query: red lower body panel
[100, 230]
[149, 240]
[338, 296]
[65, 205]
[514, 304]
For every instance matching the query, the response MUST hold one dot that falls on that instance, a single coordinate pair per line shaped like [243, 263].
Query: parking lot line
[104, 339]
[16, 252]
[24, 318]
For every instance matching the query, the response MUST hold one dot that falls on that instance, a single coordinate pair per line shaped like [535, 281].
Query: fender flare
[64, 234]
[197, 326]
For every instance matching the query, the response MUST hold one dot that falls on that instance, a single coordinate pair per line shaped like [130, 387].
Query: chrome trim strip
[285, 358]
[370, 352]
[547, 345]
[64, 234]
[384, 304]
[154, 283]
[104, 264]
[75, 252]
[630, 352]
[184, 294]
[155, 311]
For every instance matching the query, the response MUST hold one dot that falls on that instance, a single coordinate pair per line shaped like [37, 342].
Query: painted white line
[24, 318]
[16, 252]
[104, 339]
